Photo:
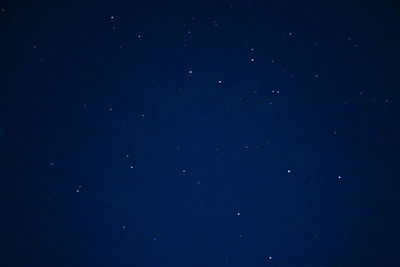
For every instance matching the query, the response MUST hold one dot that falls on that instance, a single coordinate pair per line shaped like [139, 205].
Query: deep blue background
[114, 154]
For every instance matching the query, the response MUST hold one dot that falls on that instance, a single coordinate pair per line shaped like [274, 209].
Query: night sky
[200, 133]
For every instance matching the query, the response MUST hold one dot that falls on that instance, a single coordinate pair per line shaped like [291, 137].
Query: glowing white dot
[238, 214]
[190, 71]
[270, 258]
[289, 171]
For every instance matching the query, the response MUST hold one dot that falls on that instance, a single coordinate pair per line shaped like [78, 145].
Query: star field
[200, 133]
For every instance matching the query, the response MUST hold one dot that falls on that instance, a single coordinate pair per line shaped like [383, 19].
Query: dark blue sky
[200, 133]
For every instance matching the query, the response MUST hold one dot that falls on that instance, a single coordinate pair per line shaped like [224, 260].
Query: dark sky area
[200, 133]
